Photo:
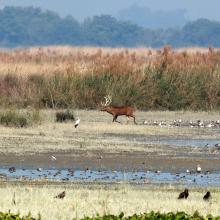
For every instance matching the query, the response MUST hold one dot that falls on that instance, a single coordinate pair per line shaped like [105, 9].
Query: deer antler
[108, 100]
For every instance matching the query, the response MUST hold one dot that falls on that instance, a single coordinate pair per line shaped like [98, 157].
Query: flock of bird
[185, 194]
[175, 123]
[181, 123]
[182, 195]
[102, 175]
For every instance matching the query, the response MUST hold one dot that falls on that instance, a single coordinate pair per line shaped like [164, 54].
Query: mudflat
[100, 144]
[124, 161]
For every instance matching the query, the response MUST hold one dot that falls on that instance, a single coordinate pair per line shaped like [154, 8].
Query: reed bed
[64, 77]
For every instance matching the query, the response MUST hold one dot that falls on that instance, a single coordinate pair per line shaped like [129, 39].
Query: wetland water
[186, 142]
[173, 141]
[187, 179]
[115, 156]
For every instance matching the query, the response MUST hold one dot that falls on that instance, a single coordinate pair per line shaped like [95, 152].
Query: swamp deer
[117, 110]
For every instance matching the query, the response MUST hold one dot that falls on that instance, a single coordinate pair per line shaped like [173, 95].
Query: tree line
[28, 26]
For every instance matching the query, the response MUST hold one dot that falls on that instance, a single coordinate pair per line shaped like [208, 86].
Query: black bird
[12, 169]
[207, 196]
[184, 194]
[61, 195]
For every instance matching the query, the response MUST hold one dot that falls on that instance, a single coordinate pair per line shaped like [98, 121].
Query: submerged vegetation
[65, 77]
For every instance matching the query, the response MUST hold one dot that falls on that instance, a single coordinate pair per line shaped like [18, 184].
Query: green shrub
[64, 116]
[12, 118]
[154, 216]
[10, 216]
[146, 216]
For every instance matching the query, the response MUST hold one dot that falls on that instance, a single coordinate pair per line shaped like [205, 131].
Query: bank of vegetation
[164, 79]
[146, 216]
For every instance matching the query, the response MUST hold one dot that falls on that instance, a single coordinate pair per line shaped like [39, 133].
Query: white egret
[77, 123]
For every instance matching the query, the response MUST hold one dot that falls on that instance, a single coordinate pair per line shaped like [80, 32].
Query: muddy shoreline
[121, 161]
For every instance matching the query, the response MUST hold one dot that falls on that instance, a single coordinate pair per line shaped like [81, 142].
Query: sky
[80, 9]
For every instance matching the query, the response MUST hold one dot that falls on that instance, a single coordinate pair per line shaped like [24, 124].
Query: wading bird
[61, 195]
[116, 111]
[77, 123]
[199, 169]
[188, 171]
[53, 158]
[184, 194]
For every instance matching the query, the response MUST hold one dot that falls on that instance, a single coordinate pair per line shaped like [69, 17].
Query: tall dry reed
[64, 77]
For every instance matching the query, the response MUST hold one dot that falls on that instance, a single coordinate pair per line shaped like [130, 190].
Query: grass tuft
[13, 118]
[64, 116]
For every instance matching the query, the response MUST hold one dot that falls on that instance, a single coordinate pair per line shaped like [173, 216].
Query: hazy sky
[84, 8]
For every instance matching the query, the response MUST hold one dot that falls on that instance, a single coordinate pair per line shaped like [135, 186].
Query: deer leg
[128, 119]
[115, 119]
[134, 119]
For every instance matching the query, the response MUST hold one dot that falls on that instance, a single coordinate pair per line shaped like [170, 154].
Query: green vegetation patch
[154, 216]
[11, 216]
[146, 216]
[63, 116]
[14, 118]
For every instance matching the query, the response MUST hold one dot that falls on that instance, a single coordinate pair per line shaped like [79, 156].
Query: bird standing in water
[199, 169]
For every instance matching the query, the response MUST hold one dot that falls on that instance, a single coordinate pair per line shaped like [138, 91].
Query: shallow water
[186, 142]
[161, 140]
[203, 179]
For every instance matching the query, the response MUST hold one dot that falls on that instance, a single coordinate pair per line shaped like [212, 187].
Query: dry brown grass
[83, 201]
[47, 60]
[146, 78]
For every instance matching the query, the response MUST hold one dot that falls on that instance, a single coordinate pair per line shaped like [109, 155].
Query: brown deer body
[118, 110]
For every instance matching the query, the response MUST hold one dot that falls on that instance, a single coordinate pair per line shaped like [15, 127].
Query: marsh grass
[165, 79]
[89, 200]
[18, 119]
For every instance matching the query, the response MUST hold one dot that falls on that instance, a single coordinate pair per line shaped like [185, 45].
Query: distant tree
[32, 26]
[201, 32]
[105, 30]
